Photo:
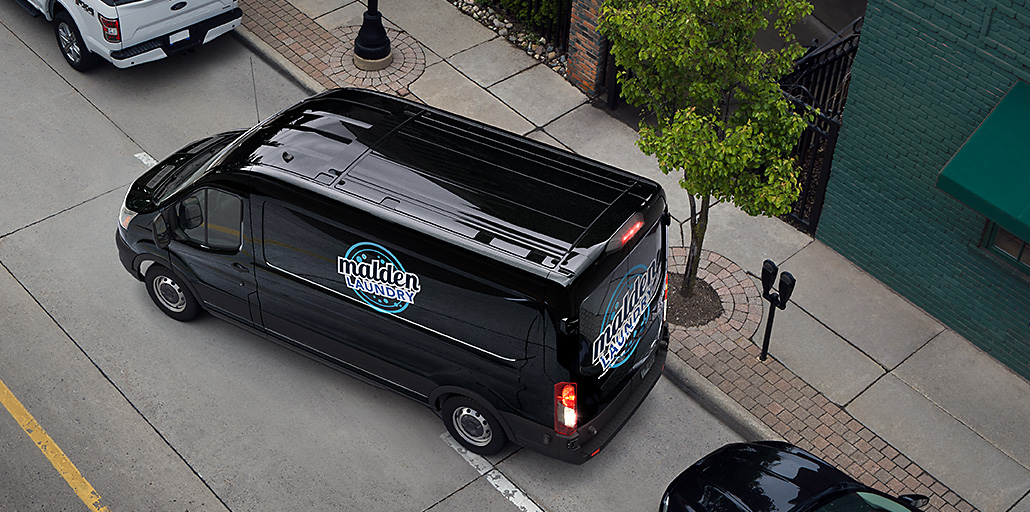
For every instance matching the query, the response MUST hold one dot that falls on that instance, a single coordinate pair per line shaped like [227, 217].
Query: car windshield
[861, 502]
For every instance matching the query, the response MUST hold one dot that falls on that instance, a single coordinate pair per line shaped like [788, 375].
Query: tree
[722, 119]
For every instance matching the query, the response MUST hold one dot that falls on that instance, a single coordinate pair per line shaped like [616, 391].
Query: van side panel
[375, 296]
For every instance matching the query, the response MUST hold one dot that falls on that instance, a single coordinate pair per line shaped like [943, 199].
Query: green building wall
[926, 75]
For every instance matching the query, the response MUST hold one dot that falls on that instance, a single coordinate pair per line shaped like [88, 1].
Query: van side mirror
[162, 235]
[191, 215]
[915, 500]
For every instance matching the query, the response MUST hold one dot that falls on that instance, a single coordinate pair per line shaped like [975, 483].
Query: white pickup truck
[131, 32]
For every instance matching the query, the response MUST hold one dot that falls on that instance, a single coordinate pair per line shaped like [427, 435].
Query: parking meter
[778, 300]
[786, 288]
[769, 270]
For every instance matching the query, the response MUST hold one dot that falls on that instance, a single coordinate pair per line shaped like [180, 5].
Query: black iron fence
[819, 85]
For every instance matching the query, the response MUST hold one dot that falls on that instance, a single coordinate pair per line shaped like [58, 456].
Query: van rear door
[621, 320]
[144, 20]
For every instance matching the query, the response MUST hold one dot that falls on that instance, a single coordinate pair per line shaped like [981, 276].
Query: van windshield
[186, 166]
[627, 309]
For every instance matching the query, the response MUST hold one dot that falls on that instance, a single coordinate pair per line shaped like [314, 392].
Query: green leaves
[721, 119]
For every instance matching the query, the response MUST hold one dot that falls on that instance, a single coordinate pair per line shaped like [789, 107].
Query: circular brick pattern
[741, 303]
[409, 61]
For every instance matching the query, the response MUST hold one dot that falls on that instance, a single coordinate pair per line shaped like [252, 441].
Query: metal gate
[819, 85]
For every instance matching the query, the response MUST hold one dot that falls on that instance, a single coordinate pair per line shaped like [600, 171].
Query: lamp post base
[374, 64]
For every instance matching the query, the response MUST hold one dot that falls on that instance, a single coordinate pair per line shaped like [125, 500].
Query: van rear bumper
[598, 432]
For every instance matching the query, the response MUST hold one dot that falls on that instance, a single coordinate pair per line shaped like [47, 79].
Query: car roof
[511, 193]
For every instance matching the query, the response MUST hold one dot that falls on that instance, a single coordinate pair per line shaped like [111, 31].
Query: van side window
[212, 219]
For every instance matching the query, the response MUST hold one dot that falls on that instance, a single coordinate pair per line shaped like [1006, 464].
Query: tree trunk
[698, 227]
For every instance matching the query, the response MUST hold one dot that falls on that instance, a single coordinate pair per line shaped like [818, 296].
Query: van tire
[170, 294]
[73, 48]
[473, 426]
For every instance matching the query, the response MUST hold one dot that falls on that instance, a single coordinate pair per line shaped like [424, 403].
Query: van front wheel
[473, 426]
[170, 294]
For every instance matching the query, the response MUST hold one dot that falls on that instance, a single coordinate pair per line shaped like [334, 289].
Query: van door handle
[240, 267]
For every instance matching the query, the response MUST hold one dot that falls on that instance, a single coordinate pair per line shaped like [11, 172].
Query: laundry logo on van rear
[378, 278]
[627, 316]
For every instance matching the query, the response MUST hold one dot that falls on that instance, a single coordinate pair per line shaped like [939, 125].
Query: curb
[276, 60]
[717, 402]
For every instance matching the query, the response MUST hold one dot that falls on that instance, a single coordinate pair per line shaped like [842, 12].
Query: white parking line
[146, 159]
[500, 482]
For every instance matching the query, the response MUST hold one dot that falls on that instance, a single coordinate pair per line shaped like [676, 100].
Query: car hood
[754, 477]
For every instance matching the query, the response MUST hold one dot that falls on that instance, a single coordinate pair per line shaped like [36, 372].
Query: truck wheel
[69, 40]
[473, 426]
[170, 295]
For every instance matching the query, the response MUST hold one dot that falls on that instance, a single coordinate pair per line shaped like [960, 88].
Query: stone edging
[741, 303]
[409, 62]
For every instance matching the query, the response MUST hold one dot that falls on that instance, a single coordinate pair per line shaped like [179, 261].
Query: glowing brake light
[665, 298]
[112, 32]
[632, 231]
[565, 407]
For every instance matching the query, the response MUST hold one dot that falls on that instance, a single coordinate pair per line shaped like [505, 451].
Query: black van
[517, 289]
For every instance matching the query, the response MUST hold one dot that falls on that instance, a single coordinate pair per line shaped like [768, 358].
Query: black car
[774, 476]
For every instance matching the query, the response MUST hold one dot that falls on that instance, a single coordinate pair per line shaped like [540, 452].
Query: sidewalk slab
[747, 240]
[539, 94]
[542, 136]
[868, 314]
[973, 387]
[349, 15]
[591, 132]
[817, 355]
[443, 87]
[436, 24]
[1023, 505]
[490, 62]
[940, 444]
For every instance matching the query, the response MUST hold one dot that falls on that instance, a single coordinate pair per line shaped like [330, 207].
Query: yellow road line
[49, 448]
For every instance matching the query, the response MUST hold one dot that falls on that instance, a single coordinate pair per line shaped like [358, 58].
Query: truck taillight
[112, 32]
[565, 407]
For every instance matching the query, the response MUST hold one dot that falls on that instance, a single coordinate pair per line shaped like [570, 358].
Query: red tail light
[565, 407]
[632, 231]
[112, 32]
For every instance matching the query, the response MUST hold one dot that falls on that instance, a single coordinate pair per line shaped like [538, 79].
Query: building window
[1009, 247]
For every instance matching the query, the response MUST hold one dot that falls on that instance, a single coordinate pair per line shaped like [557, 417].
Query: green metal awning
[990, 173]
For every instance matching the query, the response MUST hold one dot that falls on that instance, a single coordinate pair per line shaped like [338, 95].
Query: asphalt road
[160, 415]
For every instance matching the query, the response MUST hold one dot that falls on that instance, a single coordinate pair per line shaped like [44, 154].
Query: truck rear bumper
[161, 47]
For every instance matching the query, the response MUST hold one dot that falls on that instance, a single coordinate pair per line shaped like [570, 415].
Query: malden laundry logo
[626, 316]
[378, 277]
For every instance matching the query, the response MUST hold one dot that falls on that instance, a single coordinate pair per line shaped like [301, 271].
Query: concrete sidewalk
[857, 375]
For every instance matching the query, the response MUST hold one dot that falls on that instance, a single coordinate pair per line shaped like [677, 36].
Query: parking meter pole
[768, 331]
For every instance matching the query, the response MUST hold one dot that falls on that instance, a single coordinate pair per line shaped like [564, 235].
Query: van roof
[517, 195]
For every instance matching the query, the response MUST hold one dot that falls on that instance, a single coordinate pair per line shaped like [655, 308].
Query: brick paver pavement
[325, 55]
[722, 351]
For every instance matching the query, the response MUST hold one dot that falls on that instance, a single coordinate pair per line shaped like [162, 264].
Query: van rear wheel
[473, 426]
[170, 294]
[69, 39]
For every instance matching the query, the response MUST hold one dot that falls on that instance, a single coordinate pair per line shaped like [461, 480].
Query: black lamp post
[777, 300]
[372, 47]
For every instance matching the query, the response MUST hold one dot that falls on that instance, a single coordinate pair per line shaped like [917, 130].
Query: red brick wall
[586, 47]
